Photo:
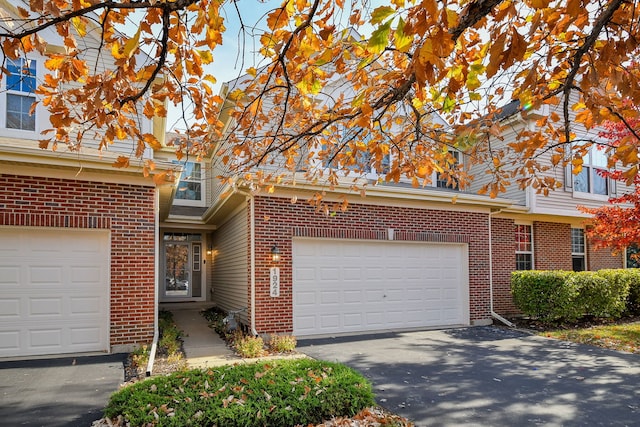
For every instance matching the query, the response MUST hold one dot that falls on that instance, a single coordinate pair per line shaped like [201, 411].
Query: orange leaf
[121, 162]
[277, 19]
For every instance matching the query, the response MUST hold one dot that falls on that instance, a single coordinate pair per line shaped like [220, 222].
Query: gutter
[493, 313]
[154, 343]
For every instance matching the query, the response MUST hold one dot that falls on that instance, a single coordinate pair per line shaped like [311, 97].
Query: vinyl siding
[481, 177]
[230, 279]
[89, 47]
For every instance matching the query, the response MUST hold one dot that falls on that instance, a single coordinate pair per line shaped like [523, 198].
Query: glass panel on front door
[177, 269]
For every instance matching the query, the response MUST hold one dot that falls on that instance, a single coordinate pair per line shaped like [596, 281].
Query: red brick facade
[277, 219]
[503, 246]
[126, 210]
[552, 246]
[598, 259]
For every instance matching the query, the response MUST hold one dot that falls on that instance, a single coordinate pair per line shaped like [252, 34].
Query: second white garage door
[54, 291]
[342, 286]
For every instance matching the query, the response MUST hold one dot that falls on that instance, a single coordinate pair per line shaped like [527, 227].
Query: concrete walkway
[202, 345]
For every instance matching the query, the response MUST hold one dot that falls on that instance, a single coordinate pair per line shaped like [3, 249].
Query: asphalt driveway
[65, 392]
[491, 376]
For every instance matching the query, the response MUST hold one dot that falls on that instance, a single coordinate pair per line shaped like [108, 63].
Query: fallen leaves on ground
[622, 337]
[369, 417]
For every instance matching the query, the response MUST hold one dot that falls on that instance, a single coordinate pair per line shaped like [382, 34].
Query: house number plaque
[274, 281]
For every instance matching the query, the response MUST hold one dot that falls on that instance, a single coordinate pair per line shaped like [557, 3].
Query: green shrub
[170, 341]
[545, 295]
[282, 393]
[215, 317]
[282, 343]
[610, 301]
[248, 345]
[141, 355]
[633, 297]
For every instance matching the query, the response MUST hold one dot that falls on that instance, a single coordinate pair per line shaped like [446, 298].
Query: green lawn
[623, 337]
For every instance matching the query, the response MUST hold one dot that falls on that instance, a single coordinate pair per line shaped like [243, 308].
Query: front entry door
[177, 272]
[182, 256]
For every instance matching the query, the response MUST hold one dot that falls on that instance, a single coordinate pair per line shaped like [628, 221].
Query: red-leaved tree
[617, 225]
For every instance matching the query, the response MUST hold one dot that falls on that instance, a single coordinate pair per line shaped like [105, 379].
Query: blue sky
[239, 48]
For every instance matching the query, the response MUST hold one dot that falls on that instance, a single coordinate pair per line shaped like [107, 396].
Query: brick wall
[503, 246]
[276, 219]
[552, 246]
[126, 210]
[598, 259]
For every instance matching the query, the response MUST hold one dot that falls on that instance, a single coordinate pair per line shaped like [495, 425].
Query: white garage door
[54, 291]
[352, 286]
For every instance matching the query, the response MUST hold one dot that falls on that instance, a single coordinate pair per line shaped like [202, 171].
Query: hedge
[546, 295]
[564, 295]
[275, 393]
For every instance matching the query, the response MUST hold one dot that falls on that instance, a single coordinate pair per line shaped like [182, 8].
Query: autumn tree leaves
[413, 81]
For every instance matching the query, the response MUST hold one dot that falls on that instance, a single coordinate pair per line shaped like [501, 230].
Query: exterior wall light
[209, 250]
[275, 253]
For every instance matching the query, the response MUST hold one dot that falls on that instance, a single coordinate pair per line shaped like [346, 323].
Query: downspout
[493, 313]
[154, 343]
[252, 259]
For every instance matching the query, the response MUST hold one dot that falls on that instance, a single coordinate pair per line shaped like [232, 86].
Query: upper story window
[590, 179]
[578, 253]
[20, 94]
[357, 163]
[524, 247]
[451, 184]
[190, 189]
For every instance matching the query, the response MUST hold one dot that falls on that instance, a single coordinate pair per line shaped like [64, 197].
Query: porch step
[202, 345]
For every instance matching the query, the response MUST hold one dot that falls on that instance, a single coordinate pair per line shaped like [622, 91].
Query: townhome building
[89, 252]
[399, 258]
[78, 237]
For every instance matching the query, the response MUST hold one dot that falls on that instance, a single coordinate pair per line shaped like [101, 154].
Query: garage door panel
[9, 308]
[374, 295]
[48, 340]
[85, 275]
[306, 298]
[85, 336]
[394, 295]
[44, 275]
[54, 297]
[352, 297]
[352, 319]
[374, 318]
[331, 321]
[86, 305]
[10, 341]
[330, 297]
[9, 276]
[49, 307]
[379, 285]
[328, 273]
[352, 273]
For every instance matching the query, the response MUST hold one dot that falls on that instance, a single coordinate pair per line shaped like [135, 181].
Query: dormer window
[590, 179]
[442, 182]
[20, 94]
[190, 189]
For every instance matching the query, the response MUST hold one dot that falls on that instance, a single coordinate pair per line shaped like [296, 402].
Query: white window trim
[434, 176]
[584, 245]
[532, 252]
[42, 114]
[203, 188]
[590, 195]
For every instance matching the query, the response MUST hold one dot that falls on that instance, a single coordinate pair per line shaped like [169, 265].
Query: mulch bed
[586, 322]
